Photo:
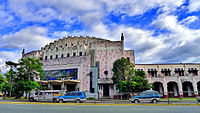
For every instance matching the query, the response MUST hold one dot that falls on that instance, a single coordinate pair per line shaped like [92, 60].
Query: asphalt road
[29, 108]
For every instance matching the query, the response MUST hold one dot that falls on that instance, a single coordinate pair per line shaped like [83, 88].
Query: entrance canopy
[59, 82]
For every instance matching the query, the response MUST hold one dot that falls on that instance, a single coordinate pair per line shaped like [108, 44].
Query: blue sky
[160, 31]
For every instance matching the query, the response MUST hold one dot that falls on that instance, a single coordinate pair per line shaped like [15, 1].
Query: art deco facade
[85, 64]
[81, 63]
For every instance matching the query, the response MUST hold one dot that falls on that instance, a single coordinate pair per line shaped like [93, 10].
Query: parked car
[146, 96]
[198, 99]
[76, 96]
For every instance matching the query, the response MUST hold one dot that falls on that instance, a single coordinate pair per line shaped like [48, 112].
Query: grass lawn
[185, 98]
[13, 98]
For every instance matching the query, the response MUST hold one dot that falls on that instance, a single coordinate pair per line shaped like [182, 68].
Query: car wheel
[78, 101]
[54, 99]
[136, 101]
[61, 101]
[31, 99]
[154, 101]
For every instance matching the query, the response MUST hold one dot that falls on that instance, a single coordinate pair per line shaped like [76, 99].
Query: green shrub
[91, 98]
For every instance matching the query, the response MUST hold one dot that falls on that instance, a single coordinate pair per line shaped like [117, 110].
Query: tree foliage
[123, 70]
[127, 79]
[20, 78]
[1, 79]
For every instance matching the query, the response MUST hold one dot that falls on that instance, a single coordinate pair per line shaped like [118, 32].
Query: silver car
[146, 96]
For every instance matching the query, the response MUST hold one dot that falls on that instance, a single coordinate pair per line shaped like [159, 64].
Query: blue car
[76, 96]
[146, 96]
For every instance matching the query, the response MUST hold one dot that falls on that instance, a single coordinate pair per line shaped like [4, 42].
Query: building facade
[174, 80]
[81, 63]
[85, 64]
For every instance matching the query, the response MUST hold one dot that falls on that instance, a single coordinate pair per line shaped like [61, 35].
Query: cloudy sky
[160, 31]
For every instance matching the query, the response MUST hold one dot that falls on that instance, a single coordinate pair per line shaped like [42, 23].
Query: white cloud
[29, 38]
[44, 11]
[189, 20]
[8, 56]
[5, 17]
[59, 34]
[181, 41]
[194, 5]
[87, 11]
[137, 7]
[179, 44]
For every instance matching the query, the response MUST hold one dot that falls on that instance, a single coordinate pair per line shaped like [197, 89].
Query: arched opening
[172, 89]
[188, 90]
[198, 87]
[158, 86]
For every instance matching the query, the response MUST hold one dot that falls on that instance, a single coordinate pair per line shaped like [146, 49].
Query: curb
[39, 103]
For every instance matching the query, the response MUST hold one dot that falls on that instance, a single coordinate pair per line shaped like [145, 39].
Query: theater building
[85, 64]
[81, 63]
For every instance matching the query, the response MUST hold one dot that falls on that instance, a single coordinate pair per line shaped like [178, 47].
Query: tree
[31, 68]
[123, 70]
[1, 79]
[127, 79]
[139, 82]
[22, 75]
[10, 79]
[4, 86]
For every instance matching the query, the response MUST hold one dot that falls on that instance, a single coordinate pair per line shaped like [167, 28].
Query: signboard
[67, 74]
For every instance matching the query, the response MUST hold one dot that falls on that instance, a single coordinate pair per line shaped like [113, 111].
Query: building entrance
[71, 87]
[56, 87]
[106, 90]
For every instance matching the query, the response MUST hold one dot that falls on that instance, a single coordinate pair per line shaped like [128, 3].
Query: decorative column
[195, 89]
[161, 89]
[189, 90]
[165, 87]
[180, 88]
[175, 90]
[50, 86]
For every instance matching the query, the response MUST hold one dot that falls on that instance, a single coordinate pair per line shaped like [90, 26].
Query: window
[179, 71]
[68, 94]
[56, 56]
[139, 69]
[79, 93]
[128, 58]
[68, 54]
[51, 57]
[74, 54]
[62, 55]
[193, 71]
[152, 72]
[46, 57]
[80, 53]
